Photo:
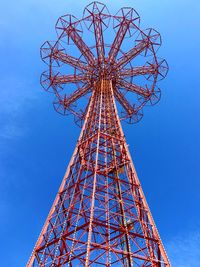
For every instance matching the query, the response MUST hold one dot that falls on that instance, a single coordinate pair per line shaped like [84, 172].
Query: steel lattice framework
[100, 216]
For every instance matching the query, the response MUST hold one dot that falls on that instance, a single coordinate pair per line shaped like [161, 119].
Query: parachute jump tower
[100, 216]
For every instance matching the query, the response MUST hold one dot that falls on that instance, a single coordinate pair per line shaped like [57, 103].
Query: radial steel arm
[63, 79]
[134, 88]
[152, 69]
[123, 101]
[76, 95]
[67, 59]
[76, 38]
[127, 57]
[118, 41]
[99, 37]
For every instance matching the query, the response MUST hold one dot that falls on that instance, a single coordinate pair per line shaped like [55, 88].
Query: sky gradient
[37, 143]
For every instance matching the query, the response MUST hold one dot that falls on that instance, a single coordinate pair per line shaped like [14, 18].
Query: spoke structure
[63, 79]
[78, 41]
[67, 59]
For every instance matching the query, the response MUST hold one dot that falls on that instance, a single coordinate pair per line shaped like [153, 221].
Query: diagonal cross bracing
[100, 213]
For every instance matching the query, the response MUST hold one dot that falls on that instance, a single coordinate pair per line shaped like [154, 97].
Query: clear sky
[36, 143]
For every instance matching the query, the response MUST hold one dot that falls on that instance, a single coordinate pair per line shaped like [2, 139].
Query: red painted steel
[100, 216]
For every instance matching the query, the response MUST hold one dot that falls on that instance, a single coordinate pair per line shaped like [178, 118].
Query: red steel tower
[100, 216]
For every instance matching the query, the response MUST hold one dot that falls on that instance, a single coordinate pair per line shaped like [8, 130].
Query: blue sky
[36, 142]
